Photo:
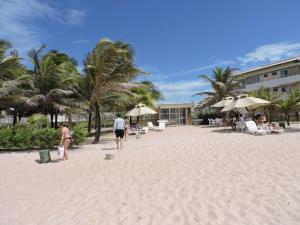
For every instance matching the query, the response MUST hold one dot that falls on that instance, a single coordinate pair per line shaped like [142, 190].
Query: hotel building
[176, 114]
[279, 76]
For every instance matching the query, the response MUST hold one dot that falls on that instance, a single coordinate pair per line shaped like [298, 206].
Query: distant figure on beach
[119, 127]
[127, 124]
[66, 139]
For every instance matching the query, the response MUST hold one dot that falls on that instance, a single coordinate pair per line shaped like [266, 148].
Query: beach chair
[274, 128]
[240, 125]
[144, 130]
[161, 126]
[218, 122]
[132, 131]
[253, 129]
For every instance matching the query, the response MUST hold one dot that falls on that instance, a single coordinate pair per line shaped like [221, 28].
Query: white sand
[185, 175]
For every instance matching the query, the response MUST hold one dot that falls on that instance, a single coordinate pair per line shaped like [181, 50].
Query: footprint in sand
[212, 215]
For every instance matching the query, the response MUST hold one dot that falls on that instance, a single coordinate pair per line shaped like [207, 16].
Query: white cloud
[181, 91]
[20, 18]
[270, 53]
[74, 16]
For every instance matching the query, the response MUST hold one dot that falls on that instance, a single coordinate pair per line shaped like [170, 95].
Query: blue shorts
[119, 133]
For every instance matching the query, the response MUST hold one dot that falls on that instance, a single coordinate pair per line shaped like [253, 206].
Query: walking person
[119, 127]
[66, 139]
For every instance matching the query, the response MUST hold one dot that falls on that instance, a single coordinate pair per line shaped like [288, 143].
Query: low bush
[28, 136]
[79, 134]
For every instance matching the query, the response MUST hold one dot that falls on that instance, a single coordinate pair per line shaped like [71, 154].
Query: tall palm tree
[56, 79]
[222, 86]
[15, 86]
[289, 104]
[109, 68]
[10, 66]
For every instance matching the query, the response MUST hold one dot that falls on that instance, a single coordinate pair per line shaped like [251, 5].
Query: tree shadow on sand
[51, 161]
[108, 149]
[229, 131]
[292, 129]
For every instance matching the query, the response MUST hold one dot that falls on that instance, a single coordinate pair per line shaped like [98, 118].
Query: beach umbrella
[224, 102]
[140, 109]
[245, 101]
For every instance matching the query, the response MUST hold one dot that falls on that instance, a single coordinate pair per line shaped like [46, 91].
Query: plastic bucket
[109, 155]
[45, 156]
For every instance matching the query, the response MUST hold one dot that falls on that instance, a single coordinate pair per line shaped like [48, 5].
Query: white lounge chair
[132, 131]
[161, 126]
[240, 125]
[144, 130]
[253, 129]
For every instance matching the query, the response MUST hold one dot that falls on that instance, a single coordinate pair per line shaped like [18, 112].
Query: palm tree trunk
[51, 120]
[97, 124]
[20, 116]
[288, 119]
[15, 116]
[55, 120]
[90, 122]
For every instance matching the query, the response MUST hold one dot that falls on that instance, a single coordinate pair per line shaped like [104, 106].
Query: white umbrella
[224, 102]
[245, 101]
[140, 109]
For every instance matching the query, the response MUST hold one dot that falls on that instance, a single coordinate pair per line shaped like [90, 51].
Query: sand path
[184, 175]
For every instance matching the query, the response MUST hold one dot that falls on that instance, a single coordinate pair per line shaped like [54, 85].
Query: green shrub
[38, 120]
[28, 136]
[79, 134]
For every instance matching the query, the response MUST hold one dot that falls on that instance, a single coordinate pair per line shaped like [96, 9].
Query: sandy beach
[184, 175]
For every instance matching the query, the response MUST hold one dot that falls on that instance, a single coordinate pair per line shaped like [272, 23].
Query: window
[242, 83]
[274, 73]
[284, 73]
[275, 89]
[265, 75]
[164, 114]
[283, 89]
[253, 79]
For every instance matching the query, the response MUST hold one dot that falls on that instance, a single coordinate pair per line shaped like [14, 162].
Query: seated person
[133, 127]
[233, 123]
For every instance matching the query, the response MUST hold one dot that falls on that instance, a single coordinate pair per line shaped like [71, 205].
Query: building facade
[280, 76]
[176, 114]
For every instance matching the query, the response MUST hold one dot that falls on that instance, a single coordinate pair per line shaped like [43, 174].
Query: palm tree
[57, 81]
[147, 94]
[10, 66]
[16, 96]
[289, 104]
[109, 68]
[222, 84]
[267, 94]
[15, 86]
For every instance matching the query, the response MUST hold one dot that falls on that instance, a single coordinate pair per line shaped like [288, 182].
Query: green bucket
[45, 156]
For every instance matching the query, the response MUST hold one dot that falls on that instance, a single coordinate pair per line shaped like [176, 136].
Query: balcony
[273, 83]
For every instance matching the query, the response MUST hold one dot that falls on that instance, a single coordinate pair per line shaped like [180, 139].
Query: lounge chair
[274, 128]
[253, 129]
[132, 130]
[161, 126]
[144, 130]
[240, 125]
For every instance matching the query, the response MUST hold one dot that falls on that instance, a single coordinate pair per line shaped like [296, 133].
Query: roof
[296, 59]
[179, 105]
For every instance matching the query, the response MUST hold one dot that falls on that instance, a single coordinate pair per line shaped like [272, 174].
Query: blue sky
[174, 40]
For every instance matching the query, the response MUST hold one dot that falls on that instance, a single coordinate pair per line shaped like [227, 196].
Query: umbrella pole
[138, 130]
